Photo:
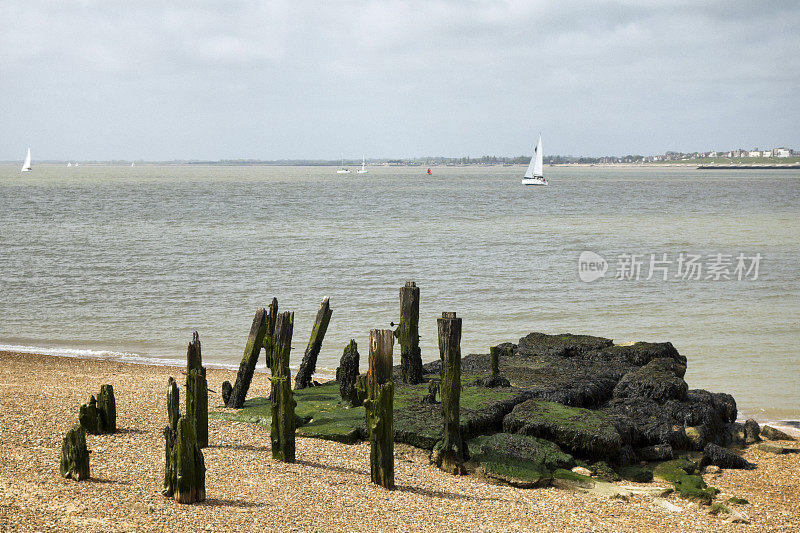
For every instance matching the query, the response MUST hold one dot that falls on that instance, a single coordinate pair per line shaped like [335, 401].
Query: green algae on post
[197, 390]
[379, 407]
[407, 334]
[74, 455]
[282, 403]
[309, 363]
[255, 340]
[449, 454]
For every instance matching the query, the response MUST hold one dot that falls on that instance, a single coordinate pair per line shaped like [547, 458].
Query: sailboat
[69, 165]
[363, 169]
[132, 164]
[26, 166]
[343, 170]
[534, 176]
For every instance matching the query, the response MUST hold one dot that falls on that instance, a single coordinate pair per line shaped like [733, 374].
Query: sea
[125, 262]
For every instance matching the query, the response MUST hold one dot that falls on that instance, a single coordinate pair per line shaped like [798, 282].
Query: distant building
[781, 152]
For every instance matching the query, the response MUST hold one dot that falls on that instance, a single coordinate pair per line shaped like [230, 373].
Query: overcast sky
[271, 80]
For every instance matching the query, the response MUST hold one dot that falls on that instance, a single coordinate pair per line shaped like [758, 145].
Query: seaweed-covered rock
[769, 432]
[752, 431]
[635, 473]
[518, 460]
[692, 487]
[601, 470]
[564, 345]
[581, 431]
[673, 470]
[735, 435]
[657, 380]
[772, 447]
[724, 458]
[657, 452]
[642, 353]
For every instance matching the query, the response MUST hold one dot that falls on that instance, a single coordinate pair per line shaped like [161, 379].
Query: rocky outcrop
[658, 380]
[769, 432]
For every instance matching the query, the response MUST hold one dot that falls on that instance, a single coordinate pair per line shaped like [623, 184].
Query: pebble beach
[327, 489]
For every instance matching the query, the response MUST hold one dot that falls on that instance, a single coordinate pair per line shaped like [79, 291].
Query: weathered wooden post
[248, 365]
[170, 434]
[89, 417]
[494, 379]
[407, 334]
[269, 335]
[449, 453]
[379, 407]
[197, 390]
[309, 363]
[280, 398]
[107, 407]
[347, 374]
[184, 465]
[74, 455]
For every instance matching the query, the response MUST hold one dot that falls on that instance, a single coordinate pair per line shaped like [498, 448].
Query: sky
[154, 80]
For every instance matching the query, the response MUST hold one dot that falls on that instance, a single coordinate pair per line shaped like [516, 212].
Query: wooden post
[89, 417]
[309, 363]
[248, 365]
[269, 335]
[347, 374]
[494, 361]
[170, 435]
[449, 454]
[197, 391]
[107, 408]
[379, 407]
[189, 464]
[74, 455]
[407, 334]
[281, 401]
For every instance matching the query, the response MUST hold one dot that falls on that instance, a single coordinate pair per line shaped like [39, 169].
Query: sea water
[125, 262]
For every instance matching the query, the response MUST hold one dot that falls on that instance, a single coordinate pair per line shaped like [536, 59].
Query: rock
[641, 353]
[657, 452]
[657, 380]
[582, 471]
[735, 435]
[580, 431]
[752, 431]
[731, 515]
[492, 381]
[711, 469]
[769, 432]
[564, 345]
[567, 480]
[602, 471]
[692, 487]
[669, 506]
[517, 460]
[772, 447]
[724, 458]
[635, 473]
[673, 470]
[626, 456]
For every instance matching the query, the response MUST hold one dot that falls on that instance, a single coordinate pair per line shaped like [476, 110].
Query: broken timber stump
[107, 407]
[407, 334]
[281, 401]
[494, 379]
[379, 407]
[449, 453]
[197, 390]
[89, 417]
[347, 374]
[184, 464]
[309, 363]
[74, 455]
[269, 335]
[248, 365]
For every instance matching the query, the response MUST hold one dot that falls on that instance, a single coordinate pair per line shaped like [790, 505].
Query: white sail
[363, 169]
[26, 167]
[535, 167]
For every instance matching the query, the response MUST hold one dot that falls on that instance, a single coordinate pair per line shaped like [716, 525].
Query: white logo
[591, 266]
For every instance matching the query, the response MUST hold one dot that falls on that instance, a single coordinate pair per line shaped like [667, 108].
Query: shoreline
[786, 424]
[327, 489]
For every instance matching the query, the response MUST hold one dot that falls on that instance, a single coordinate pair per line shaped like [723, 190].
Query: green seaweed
[635, 473]
[674, 469]
[692, 487]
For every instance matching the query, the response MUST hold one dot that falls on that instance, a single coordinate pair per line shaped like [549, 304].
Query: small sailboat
[132, 163]
[534, 175]
[69, 165]
[363, 169]
[343, 170]
[26, 166]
